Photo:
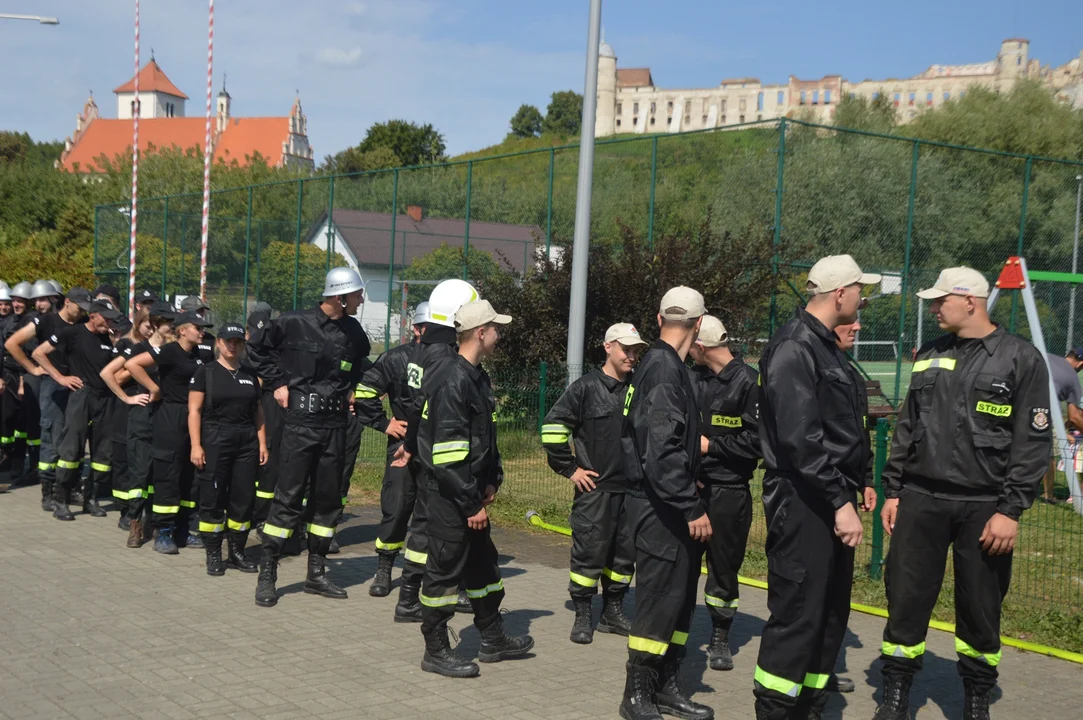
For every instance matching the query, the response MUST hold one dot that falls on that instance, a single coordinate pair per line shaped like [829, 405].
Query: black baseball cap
[231, 331]
[163, 310]
[190, 318]
[122, 325]
[105, 289]
[80, 296]
[193, 303]
[146, 295]
[105, 309]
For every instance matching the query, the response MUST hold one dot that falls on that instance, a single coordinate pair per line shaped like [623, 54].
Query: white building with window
[630, 102]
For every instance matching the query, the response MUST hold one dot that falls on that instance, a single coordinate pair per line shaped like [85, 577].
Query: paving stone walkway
[90, 629]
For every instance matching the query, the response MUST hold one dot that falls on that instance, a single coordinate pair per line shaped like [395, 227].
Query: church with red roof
[280, 141]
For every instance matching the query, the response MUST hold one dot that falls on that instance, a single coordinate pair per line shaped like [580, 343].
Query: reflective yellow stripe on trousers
[902, 651]
[779, 684]
[964, 648]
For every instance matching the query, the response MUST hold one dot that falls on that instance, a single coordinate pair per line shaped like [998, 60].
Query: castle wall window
[827, 97]
[652, 108]
[929, 99]
[781, 97]
[620, 108]
[759, 102]
[742, 105]
[947, 96]
[815, 97]
[802, 97]
[635, 108]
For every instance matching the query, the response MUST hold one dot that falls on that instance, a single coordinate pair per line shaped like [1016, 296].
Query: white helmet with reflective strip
[447, 298]
[421, 314]
[342, 281]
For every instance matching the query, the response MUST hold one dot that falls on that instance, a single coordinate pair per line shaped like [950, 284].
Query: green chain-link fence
[902, 207]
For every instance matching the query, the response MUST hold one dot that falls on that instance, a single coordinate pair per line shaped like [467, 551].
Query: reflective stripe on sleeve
[364, 392]
[778, 684]
[265, 495]
[450, 452]
[555, 434]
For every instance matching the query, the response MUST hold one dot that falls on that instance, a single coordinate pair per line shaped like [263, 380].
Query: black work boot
[463, 605]
[613, 619]
[582, 627]
[317, 583]
[670, 697]
[975, 702]
[439, 658]
[811, 704]
[638, 702]
[76, 495]
[212, 542]
[235, 542]
[61, 511]
[763, 713]
[408, 608]
[266, 595]
[718, 652]
[381, 584]
[47, 503]
[125, 522]
[496, 645]
[896, 704]
[333, 548]
[839, 684]
[90, 500]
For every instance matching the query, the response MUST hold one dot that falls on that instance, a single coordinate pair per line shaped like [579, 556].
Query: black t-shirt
[123, 349]
[45, 326]
[229, 397]
[175, 370]
[152, 370]
[86, 353]
[206, 348]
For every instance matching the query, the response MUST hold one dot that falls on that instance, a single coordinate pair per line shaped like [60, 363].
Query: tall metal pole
[1075, 261]
[577, 310]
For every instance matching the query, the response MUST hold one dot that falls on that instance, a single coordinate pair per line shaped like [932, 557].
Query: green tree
[277, 274]
[413, 144]
[446, 262]
[354, 160]
[526, 122]
[564, 114]
[859, 113]
[12, 147]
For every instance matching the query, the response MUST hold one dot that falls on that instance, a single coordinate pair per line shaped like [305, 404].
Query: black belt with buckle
[314, 403]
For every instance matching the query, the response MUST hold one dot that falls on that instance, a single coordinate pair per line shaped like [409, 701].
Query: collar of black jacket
[438, 335]
[471, 368]
[732, 367]
[990, 342]
[611, 383]
[817, 327]
[321, 317]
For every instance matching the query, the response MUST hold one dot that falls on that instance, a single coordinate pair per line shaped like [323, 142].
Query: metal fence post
[330, 221]
[184, 235]
[1022, 232]
[97, 225]
[654, 182]
[165, 243]
[876, 562]
[466, 232]
[543, 382]
[247, 251]
[259, 259]
[391, 258]
[905, 290]
[777, 240]
[549, 210]
[297, 241]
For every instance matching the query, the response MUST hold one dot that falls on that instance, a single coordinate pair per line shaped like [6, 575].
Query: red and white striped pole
[135, 175]
[207, 157]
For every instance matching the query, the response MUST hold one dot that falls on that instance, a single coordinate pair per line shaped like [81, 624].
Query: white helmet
[4, 285]
[342, 281]
[22, 290]
[5, 295]
[56, 286]
[421, 314]
[447, 298]
[42, 289]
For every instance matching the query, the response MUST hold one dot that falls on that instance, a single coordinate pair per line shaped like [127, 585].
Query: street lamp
[41, 19]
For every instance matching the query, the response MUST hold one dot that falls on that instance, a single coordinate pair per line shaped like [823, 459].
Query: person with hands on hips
[967, 458]
[229, 443]
[590, 415]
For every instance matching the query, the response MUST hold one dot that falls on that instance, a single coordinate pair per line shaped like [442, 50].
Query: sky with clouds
[467, 65]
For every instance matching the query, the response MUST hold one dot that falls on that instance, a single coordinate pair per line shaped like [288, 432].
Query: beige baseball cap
[625, 334]
[475, 314]
[957, 281]
[682, 303]
[712, 333]
[838, 271]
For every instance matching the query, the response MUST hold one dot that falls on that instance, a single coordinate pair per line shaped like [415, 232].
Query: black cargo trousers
[86, 408]
[603, 550]
[730, 509]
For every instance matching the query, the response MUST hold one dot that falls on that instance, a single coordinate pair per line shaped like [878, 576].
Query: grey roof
[368, 235]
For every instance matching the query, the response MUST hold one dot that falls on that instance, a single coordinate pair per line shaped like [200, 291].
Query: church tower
[605, 118]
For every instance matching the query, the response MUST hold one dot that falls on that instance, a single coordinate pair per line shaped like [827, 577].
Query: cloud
[337, 58]
[356, 8]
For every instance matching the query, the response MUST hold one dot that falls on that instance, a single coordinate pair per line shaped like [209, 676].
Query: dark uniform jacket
[457, 446]
[975, 423]
[591, 411]
[318, 358]
[811, 423]
[869, 425]
[660, 439]
[729, 407]
[9, 325]
[428, 364]
[387, 376]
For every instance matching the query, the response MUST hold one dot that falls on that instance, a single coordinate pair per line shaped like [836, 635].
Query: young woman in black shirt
[229, 443]
[135, 402]
[175, 493]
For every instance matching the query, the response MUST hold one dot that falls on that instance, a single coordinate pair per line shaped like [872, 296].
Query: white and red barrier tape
[207, 157]
[135, 175]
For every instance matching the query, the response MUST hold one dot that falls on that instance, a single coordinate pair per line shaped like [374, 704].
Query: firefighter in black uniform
[968, 455]
[728, 396]
[456, 441]
[267, 478]
[11, 413]
[312, 359]
[229, 443]
[87, 349]
[387, 376]
[815, 454]
[591, 411]
[661, 446]
[424, 373]
[195, 304]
